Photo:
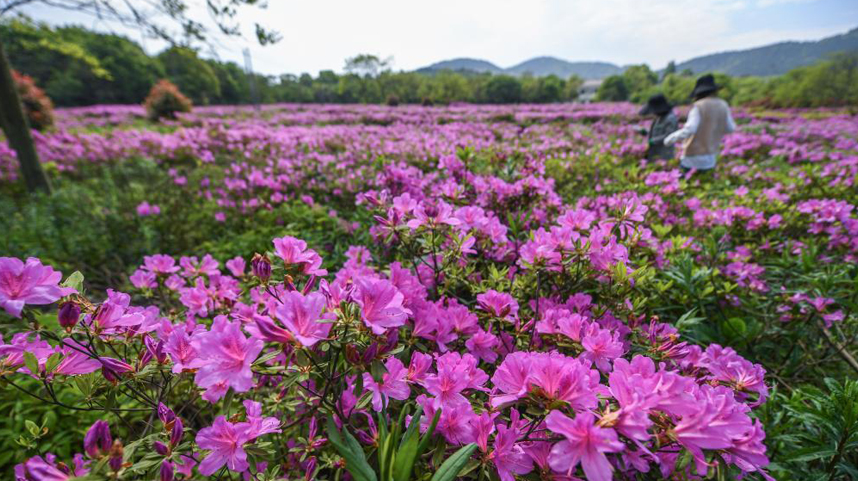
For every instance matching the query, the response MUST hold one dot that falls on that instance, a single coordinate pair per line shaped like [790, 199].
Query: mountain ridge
[767, 60]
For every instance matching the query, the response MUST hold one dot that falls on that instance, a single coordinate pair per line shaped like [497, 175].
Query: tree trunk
[17, 129]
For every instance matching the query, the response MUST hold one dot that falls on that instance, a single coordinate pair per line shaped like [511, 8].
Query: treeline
[830, 83]
[76, 66]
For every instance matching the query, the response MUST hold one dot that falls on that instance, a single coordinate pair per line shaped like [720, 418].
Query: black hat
[705, 85]
[657, 104]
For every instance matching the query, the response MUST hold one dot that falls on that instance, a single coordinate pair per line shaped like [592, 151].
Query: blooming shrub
[37, 106]
[503, 295]
[539, 381]
[165, 101]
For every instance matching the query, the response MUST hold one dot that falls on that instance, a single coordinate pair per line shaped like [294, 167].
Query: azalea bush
[37, 105]
[165, 101]
[569, 388]
[379, 293]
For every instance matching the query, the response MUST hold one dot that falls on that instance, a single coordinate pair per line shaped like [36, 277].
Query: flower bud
[97, 441]
[310, 469]
[273, 333]
[161, 448]
[144, 358]
[68, 315]
[165, 414]
[352, 354]
[392, 339]
[309, 285]
[261, 267]
[111, 368]
[166, 471]
[370, 353]
[116, 453]
[177, 433]
[156, 349]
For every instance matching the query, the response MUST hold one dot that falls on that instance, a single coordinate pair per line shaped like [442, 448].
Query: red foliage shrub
[165, 100]
[37, 106]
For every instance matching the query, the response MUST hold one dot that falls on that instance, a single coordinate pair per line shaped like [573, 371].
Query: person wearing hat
[665, 123]
[708, 122]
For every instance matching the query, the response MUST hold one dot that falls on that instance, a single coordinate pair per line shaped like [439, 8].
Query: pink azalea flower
[191, 267]
[457, 422]
[236, 266]
[145, 209]
[511, 378]
[433, 215]
[510, 458]
[393, 384]
[225, 357]
[226, 442]
[198, 299]
[12, 354]
[447, 385]
[75, 361]
[113, 316]
[567, 379]
[380, 303]
[143, 279]
[302, 315]
[585, 443]
[180, 349]
[256, 424]
[295, 251]
[419, 366]
[498, 304]
[716, 421]
[483, 345]
[601, 347]
[37, 469]
[28, 283]
[160, 264]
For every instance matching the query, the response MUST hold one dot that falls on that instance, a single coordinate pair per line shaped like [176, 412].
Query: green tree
[542, 90]
[233, 81]
[677, 88]
[367, 65]
[639, 80]
[446, 87]
[670, 69]
[613, 89]
[130, 72]
[193, 75]
[503, 89]
[572, 87]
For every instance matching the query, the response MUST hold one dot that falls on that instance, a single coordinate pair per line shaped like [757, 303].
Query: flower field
[469, 292]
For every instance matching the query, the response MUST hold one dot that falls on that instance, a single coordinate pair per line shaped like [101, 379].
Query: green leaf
[351, 451]
[377, 370]
[31, 362]
[454, 464]
[408, 452]
[735, 326]
[75, 281]
[52, 362]
[32, 427]
[427, 437]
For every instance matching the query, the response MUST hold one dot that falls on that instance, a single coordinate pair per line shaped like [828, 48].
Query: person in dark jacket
[664, 124]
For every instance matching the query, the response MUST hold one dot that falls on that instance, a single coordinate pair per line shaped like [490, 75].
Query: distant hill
[543, 66]
[539, 66]
[463, 64]
[774, 59]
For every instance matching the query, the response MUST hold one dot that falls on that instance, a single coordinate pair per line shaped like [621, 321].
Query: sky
[321, 34]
